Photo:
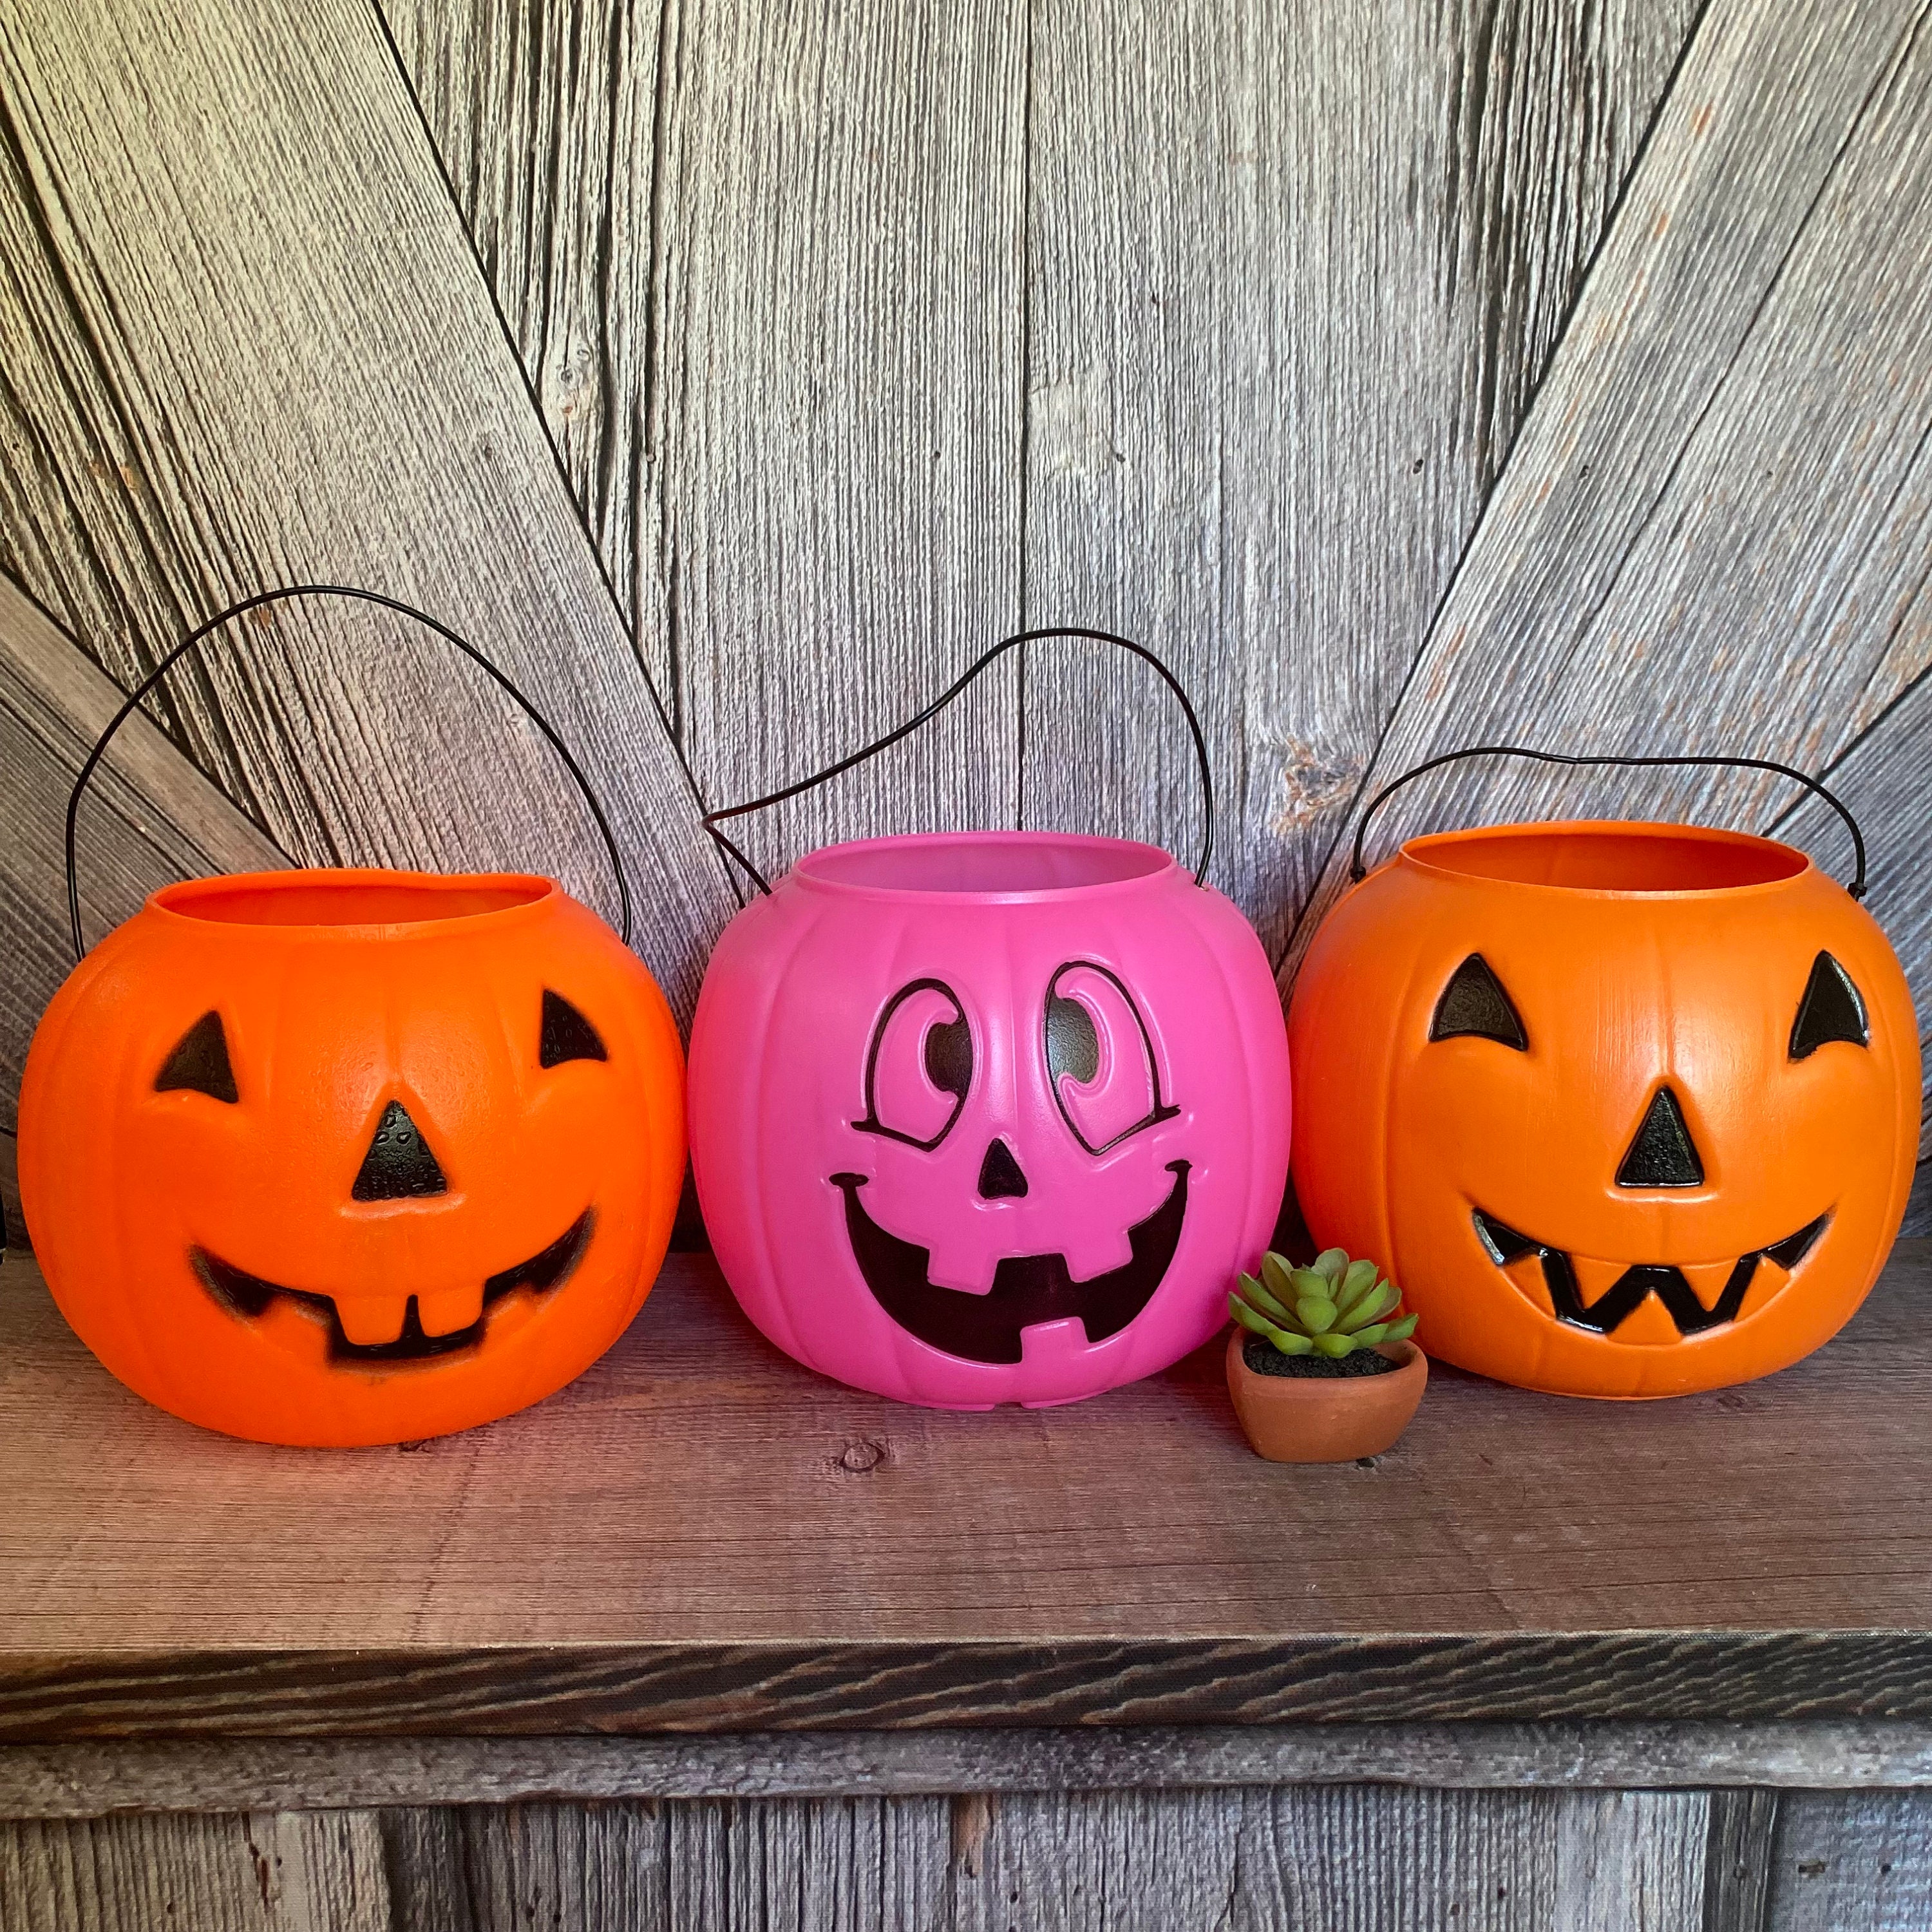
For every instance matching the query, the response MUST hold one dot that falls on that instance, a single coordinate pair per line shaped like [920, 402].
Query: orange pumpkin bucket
[1629, 1109]
[352, 1157]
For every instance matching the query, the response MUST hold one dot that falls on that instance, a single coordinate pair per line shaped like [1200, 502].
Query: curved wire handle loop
[732, 853]
[287, 591]
[1358, 870]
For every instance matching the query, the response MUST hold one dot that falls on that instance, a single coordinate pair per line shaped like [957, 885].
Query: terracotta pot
[1319, 1419]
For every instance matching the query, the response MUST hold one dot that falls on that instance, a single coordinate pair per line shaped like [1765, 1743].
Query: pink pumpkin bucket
[988, 1116]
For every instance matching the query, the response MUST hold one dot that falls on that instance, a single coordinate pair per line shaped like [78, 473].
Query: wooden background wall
[733, 371]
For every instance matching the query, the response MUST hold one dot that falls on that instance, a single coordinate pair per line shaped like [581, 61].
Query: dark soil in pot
[1265, 1359]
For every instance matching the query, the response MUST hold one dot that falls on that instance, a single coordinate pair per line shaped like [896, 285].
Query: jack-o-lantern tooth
[367, 1319]
[443, 1311]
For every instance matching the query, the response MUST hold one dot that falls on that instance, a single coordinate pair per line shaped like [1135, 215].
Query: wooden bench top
[699, 1535]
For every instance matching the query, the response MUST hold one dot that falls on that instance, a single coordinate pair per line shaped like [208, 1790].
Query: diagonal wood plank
[545, 117]
[151, 817]
[246, 340]
[1711, 534]
[1881, 777]
[763, 264]
[1292, 276]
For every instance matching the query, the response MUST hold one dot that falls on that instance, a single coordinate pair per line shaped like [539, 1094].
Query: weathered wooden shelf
[701, 1536]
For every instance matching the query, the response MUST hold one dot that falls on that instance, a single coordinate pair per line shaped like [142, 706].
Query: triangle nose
[399, 1163]
[1000, 1175]
[1663, 1154]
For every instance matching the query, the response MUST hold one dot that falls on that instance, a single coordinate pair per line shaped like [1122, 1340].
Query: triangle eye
[199, 1063]
[567, 1034]
[1474, 1002]
[1830, 1009]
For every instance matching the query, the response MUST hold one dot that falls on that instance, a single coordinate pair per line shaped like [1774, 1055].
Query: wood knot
[860, 1457]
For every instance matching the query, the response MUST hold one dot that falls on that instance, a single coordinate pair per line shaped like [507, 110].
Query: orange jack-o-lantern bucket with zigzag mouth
[337, 1157]
[1629, 1109]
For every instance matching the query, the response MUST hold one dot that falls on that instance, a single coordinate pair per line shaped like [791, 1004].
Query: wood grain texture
[1293, 275]
[839, 298]
[548, 1574]
[1881, 777]
[1859, 1863]
[90, 1779]
[764, 266]
[1739, 1853]
[303, 1872]
[1711, 532]
[212, 387]
[150, 817]
[544, 117]
[1347, 1859]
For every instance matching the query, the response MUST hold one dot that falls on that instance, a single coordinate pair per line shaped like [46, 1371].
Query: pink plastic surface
[1173, 1064]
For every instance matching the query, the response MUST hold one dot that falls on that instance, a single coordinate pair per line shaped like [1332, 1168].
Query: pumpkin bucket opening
[984, 865]
[349, 898]
[1613, 857]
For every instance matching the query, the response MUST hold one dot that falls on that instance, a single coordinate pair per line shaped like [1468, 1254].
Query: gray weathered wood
[1881, 777]
[541, 1577]
[543, 116]
[764, 264]
[1264, 408]
[1861, 1864]
[150, 817]
[1739, 1854]
[1713, 523]
[81, 1781]
[246, 340]
[319, 1871]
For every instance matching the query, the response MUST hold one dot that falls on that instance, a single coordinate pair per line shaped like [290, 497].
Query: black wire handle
[288, 590]
[939, 704]
[1358, 870]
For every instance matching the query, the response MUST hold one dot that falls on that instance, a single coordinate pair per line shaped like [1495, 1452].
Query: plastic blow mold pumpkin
[990, 1116]
[337, 1157]
[1628, 1109]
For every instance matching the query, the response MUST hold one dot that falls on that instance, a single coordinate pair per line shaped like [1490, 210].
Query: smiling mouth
[249, 1296]
[1027, 1289]
[1636, 1285]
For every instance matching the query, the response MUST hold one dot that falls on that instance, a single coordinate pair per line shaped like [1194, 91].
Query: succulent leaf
[1289, 1342]
[1372, 1307]
[1330, 1262]
[1356, 1282]
[1316, 1313]
[1275, 1274]
[1400, 1331]
[1259, 1298]
[1367, 1338]
[1336, 1346]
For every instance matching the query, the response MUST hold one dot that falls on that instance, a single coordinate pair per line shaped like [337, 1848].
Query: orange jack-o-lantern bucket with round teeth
[352, 1157]
[1628, 1109]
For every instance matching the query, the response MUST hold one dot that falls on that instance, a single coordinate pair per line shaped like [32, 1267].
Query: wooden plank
[838, 399]
[84, 1780]
[1880, 777]
[1861, 1864]
[868, 1864]
[1715, 519]
[213, 388]
[1738, 1853]
[1098, 1861]
[1625, 1858]
[1264, 408]
[544, 119]
[291, 1872]
[151, 817]
[540, 1577]
[764, 266]
[1370, 1856]
[480, 1867]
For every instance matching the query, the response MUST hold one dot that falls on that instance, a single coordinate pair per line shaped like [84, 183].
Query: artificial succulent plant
[1331, 1308]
